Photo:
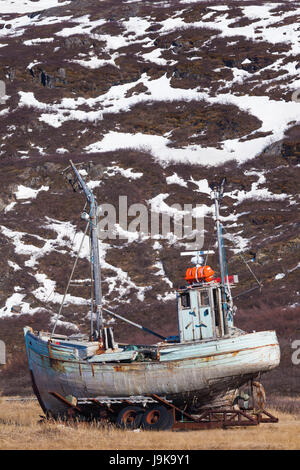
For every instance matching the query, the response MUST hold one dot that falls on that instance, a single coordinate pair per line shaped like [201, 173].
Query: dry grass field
[21, 428]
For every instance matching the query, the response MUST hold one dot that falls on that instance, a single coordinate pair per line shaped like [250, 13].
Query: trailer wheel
[130, 417]
[157, 418]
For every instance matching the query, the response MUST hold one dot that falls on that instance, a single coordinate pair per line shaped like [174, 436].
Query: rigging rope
[209, 247]
[75, 233]
[246, 263]
[70, 278]
[258, 282]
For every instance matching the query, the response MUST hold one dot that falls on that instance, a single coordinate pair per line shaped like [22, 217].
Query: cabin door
[194, 316]
[205, 315]
[188, 316]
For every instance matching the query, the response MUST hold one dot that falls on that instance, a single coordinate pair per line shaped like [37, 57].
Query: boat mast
[95, 260]
[217, 195]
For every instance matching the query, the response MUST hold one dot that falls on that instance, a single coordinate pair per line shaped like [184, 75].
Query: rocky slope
[158, 99]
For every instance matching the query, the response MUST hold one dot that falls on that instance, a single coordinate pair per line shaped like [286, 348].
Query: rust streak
[56, 365]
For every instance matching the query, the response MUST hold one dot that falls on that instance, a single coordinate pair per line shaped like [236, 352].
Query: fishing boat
[203, 366]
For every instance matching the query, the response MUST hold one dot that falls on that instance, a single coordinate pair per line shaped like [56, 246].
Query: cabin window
[216, 307]
[185, 300]
[204, 298]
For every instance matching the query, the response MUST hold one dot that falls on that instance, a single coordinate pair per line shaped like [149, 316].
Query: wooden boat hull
[201, 373]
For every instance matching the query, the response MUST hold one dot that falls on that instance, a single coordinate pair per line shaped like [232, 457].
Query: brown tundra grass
[21, 428]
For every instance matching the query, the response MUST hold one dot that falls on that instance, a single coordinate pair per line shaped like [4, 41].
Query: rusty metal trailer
[156, 413]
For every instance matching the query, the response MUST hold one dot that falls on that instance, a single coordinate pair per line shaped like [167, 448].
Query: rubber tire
[130, 417]
[157, 418]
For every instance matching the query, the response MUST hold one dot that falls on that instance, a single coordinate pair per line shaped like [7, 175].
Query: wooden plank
[63, 400]
[114, 357]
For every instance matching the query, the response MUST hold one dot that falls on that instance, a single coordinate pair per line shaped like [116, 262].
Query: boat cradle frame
[107, 409]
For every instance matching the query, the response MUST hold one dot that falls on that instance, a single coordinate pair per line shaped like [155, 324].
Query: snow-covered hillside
[169, 44]
[162, 98]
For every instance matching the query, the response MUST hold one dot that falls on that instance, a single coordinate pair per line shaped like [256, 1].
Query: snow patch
[9, 207]
[175, 179]
[29, 6]
[279, 276]
[24, 192]
[127, 173]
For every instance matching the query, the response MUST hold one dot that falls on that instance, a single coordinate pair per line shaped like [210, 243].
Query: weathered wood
[114, 357]
[204, 371]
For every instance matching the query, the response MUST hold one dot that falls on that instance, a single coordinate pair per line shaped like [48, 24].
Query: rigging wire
[246, 263]
[75, 233]
[258, 282]
[70, 278]
[209, 247]
[240, 255]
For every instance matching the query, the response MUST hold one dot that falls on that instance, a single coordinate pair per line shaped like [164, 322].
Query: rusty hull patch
[127, 367]
[57, 365]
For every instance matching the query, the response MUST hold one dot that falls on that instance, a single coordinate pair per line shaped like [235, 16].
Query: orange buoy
[200, 274]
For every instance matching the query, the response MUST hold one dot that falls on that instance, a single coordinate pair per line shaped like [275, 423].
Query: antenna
[222, 185]
[219, 187]
[199, 255]
[68, 173]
